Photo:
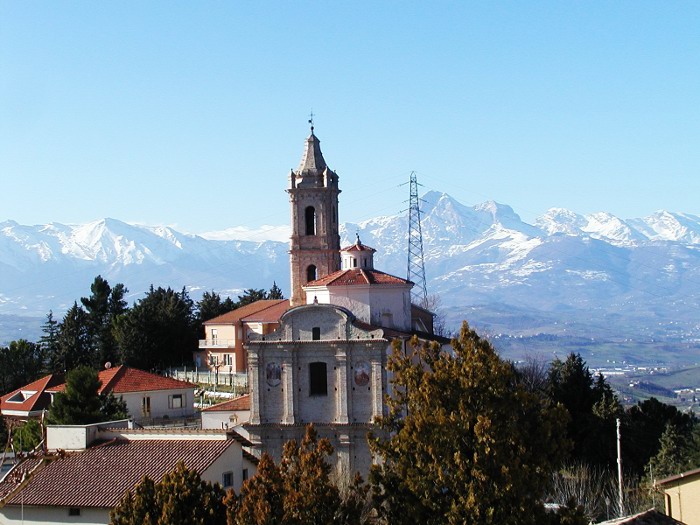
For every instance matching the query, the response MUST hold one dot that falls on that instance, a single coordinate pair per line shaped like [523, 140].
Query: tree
[82, 404]
[74, 348]
[593, 408]
[299, 490]
[159, 331]
[674, 455]
[21, 362]
[250, 296]
[463, 442]
[27, 436]
[275, 292]
[49, 341]
[643, 426]
[4, 433]
[180, 497]
[102, 307]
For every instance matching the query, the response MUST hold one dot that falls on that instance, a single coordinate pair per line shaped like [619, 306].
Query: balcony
[217, 343]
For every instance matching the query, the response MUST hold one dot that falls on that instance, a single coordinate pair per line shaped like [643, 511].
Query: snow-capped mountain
[587, 275]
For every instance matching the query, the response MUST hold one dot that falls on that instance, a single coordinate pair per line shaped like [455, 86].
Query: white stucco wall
[159, 403]
[218, 420]
[27, 515]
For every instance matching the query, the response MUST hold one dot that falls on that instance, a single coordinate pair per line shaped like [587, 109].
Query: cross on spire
[311, 120]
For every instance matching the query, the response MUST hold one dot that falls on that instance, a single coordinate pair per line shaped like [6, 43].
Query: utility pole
[416, 264]
[619, 471]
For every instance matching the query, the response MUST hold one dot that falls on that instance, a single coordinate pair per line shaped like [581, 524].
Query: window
[316, 333]
[214, 335]
[213, 360]
[146, 406]
[311, 273]
[74, 511]
[354, 263]
[175, 401]
[310, 219]
[318, 380]
[245, 474]
[227, 479]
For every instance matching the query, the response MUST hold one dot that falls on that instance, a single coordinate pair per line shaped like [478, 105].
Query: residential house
[228, 414]
[682, 496]
[148, 397]
[223, 349]
[89, 468]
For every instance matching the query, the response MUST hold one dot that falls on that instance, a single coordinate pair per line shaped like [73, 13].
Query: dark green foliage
[74, 345]
[159, 331]
[673, 457]
[20, 363]
[27, 436]
[103, 306]
[81, 403]
[4, 433]
[643, 426]
[593, 408]
[211, 305]
[250, 296]
[181, 497]
[464, 441]
[275, 292]
[49, 341]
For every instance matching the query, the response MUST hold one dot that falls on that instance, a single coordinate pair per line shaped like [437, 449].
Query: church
[321, 356]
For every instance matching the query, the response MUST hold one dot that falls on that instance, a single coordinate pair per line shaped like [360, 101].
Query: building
[222, 349]
[228, 414]
[325, 361]
[149, 397]
[89, 468]
[682, 496]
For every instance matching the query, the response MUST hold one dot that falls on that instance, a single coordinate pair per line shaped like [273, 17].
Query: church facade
[325, 363]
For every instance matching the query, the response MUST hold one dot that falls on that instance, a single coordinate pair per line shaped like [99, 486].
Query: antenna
[416, 265]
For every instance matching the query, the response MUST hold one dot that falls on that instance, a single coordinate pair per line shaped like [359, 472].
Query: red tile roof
[101, 475]
[358, 276]
[123, 379]
[250, 310]
[239, 403]
[39, 400]
[358, 248]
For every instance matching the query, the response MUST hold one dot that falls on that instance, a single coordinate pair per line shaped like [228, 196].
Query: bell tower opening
[314, 249]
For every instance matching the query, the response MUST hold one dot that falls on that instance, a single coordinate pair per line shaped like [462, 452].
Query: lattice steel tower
[416, 265]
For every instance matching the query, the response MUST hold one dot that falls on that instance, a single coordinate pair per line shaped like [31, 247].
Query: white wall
[159, 403]
[10, 515]
[222, 419]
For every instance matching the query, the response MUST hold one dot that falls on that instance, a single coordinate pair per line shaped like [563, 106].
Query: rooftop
[123, 379]
[239, 403]
[265, 310]
[358, 276]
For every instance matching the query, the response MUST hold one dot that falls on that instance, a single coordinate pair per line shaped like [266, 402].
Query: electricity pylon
[416, 265]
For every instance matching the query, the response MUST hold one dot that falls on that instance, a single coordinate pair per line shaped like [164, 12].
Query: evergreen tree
[4, 433]
[27, 436]
[74, 348]
[250, 296]
[159, 331]
[180, 497]
[298, 491]
[463, 442]
[82, 404]
[673, 455]
[275, 292]
[102, 307]
[593, 408]
[49, 341]
[211, 306]
[21, 362]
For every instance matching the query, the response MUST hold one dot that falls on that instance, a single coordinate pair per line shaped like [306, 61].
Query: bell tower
[314, 248]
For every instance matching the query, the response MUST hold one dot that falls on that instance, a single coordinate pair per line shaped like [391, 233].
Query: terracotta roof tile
[239, 403]
[123, 379]
[101, 475]
[248, 310]
[358, 276]
[34, 402]
[271, 314]
[358, 248]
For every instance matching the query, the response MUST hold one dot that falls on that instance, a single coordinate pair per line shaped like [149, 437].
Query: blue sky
[192, 113]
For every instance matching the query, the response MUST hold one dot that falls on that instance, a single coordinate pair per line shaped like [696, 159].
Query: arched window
[310, 216]
[311, 273]
[318, 379]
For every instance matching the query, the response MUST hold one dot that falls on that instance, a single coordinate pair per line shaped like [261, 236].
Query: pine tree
[181, 497]
[21, 362]
[250, 296]
[82, 404]
[49, 341]
[463, 442]
[102, 307]
[275, 292]
[74, 347]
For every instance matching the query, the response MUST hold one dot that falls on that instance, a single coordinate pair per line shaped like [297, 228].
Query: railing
[237, 381]
[217, 343]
